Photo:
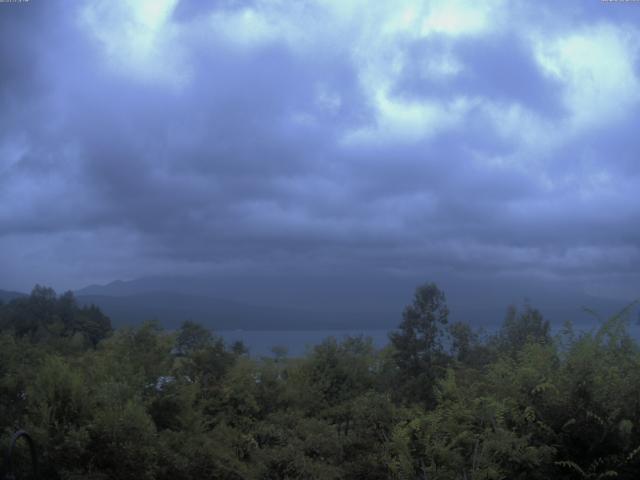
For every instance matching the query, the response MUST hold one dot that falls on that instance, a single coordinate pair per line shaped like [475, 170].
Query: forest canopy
[440, 401]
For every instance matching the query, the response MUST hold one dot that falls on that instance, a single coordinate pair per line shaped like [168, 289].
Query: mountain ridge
[271, 303]
[8, 295]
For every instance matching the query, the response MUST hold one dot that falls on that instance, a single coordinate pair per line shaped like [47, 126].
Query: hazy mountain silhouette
[317, 302]
[7, 295]
[171, 308]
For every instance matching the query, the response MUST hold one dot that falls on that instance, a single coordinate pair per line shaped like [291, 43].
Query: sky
[490, 141]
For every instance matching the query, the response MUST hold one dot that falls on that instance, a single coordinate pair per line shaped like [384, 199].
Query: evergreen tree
[418, 344]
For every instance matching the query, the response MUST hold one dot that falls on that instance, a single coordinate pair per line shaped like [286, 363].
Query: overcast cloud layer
[494, 138]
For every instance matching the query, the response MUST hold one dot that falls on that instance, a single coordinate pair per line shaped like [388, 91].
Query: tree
[519, 329]
[43, 317]
[191, 337]
[92, 323]
[418, 343]
[468, 348]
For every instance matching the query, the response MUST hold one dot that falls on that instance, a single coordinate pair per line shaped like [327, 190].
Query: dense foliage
[440, 402]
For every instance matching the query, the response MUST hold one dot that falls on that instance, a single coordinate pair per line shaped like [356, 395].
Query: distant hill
[278, 303]
[233, 303]
[115, 288]
[171, 309]
[237, 303]
[6, 295]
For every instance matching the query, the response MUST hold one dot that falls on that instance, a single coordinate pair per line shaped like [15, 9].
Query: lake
[297, 342]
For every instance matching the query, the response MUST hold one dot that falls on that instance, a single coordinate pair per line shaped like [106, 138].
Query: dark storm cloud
[237, 149]
[225, 142]
[500, 66]
[19, 48]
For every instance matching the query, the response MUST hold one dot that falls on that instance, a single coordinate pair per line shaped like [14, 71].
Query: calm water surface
[297, 342]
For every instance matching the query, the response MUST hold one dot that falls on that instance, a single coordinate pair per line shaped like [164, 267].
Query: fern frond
[571, 466]
[608, 474]
[595, 417]
[633, 454]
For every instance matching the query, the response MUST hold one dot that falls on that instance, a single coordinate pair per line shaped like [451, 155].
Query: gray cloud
[499, 66]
